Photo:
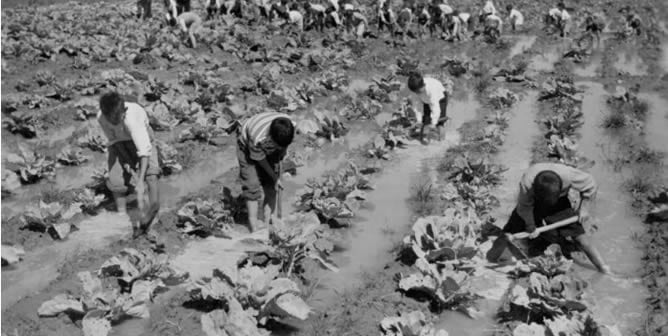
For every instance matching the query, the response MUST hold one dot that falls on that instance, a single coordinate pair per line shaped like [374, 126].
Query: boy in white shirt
[559, 18]
[515, 17]
[493, 22]
[189, 23]
[129, 152]
[434, 97]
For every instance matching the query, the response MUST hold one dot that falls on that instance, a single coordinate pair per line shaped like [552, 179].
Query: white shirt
[494, 18]
[519, 18]
[489, 8]
[431, 95]
[135, 127]
[464, 17]
[295, 17]
[445, 9]
[318, 8]
[335, 4]
[335, 16]
[565, 16]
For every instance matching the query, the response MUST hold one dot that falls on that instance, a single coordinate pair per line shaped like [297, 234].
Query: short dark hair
[561, 5]
[109, 103]
[547, 185]
[415, 81]
[282, 131]
[509, 7]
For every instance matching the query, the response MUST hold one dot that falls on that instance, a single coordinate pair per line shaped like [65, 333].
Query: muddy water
[515, 154]
[617, 300]
[38, 269]
[589, 69]
[656, 128]
[664, 58]
[545, 60]
[523, 44]
[388, 215]
[631, 63]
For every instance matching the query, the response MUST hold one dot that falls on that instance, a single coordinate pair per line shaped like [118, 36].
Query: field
[380, 234]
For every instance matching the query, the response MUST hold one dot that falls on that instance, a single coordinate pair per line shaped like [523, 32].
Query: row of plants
[626, 118]
[446, 249]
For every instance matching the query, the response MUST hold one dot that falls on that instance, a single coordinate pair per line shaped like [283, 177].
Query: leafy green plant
[71, 157]
[89, 201]
[23, 123]
[49, 217]
[334, 198]
[333, 81]
[330, 126]
[502, 98]
[413, 323]
[204, 218]
[93, 140]
[31, 166]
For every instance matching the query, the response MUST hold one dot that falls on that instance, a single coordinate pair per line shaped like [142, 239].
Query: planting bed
[380, 234]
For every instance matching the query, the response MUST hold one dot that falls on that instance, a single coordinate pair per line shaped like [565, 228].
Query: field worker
[170, 6]
[356, 22]
[594, 24]
[404, 21]
[543, 192]
[144, 9]
[280, 9]
[332, 19]
[129, 151]
[296, 19]
[213, 8]
[457, 27]
[315, 15]
[515, 17]
[633, 23]
[493, 22]
[334, 4]
[487, 9]
[262, 144]
[423, 20]
[465, 19]
[434, 98]
[189, 24]
[386, 18]
[560, 18]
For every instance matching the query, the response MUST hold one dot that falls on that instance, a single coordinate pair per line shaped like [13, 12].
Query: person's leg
[592, 253]
[152, 173]
[116, 179]
[443, 117]
[269, 203]
[147, 9]
[250, 187]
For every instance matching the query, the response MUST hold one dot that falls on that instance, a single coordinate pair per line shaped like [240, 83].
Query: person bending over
[434, 97]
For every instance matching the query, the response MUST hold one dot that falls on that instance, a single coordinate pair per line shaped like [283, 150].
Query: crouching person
[190, 24]
[434, 97]
[262, 144]
[130, 152]
[543, 192]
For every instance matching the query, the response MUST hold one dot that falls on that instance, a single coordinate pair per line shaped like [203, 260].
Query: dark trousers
[557, 236]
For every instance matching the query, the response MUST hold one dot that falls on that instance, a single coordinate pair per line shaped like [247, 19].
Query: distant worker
[262, 144]
[130, 153]
[515, 17]
[189, 24]
[543, 193]
[143, 9]
[434, 99]
[559, 18]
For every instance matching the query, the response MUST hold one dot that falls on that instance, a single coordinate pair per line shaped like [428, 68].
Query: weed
[614, 120]
[646, 155]
[481, 84]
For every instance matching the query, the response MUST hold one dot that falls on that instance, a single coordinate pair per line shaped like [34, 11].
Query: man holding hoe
[262, 144]
[543, 198]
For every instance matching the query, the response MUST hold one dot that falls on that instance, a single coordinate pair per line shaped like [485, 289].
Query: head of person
[509, 8]
[547, 186]
[112, 106]
[416, 83]
[561, 6]
[282, 131]
[455, 13]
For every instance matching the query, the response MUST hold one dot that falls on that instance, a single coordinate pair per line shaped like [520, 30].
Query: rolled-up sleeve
[583, 182]
[525, 204]
[137, 127]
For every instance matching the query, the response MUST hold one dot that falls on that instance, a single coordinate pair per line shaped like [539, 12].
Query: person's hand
[279, 185]
[583, 216]
[534, 234]
[140, 194]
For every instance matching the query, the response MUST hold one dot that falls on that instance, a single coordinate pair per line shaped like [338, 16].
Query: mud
[617, 300]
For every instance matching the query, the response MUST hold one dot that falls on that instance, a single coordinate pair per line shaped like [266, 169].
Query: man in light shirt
[543, 192]
[434, 98]
[559, 18]
[189, 23]
[515, 17]
[493, 22]
[130, 151]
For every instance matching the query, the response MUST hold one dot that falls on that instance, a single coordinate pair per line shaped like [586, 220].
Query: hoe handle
[546, 228]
